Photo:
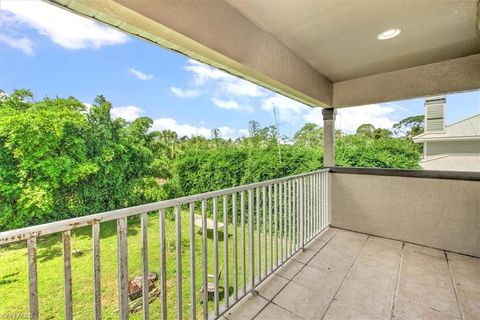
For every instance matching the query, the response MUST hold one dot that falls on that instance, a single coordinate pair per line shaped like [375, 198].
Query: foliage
[369, 131]
[358, 151]
[310, 135]
[59, 159]
[410, 126]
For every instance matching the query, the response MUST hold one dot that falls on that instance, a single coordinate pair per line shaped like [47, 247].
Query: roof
[466, 129]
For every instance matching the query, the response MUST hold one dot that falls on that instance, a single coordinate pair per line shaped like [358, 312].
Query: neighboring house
[453, 147]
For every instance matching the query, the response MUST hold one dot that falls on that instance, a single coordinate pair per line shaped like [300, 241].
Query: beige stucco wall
[439, 213]
[452, 147]
[444, 77]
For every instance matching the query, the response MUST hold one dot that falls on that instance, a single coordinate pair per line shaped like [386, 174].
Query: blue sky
[55, 53]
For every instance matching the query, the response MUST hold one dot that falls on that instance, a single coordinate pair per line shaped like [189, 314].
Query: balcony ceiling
[322, 53]
[338, 37]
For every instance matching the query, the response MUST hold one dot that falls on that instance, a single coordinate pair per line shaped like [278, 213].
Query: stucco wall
[452, 147]
[440, 213]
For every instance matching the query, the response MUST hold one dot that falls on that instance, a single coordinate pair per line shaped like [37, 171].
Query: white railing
[281, 215]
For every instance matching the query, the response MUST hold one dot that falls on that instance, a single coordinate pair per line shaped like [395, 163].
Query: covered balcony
[338, 243]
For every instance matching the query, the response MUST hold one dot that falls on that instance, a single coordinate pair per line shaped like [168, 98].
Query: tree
[365, 129]
[369, 131]
[310, 135]
[410, 126]
[58, 161]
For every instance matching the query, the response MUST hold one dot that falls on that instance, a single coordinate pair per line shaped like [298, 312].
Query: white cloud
[241, 87]
[288, 110]
[184, 93]
[23, 44]
[349, 119]
[128, 113]
[231, 105]
[66, 29]
[314, 115]
[203, 73]
[140, 75]
[189, 130]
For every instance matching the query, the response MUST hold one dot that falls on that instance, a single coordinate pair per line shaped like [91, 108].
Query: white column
[329, 137]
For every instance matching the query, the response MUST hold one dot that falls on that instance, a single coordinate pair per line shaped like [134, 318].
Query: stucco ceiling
[338, 37]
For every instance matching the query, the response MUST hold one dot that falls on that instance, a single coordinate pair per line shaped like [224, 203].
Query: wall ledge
[429, 174]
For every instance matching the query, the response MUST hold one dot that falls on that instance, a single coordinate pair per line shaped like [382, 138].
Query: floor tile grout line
[281, 265]
[459, 305]
[290, 280]
[407, 242]
[397, 285]
[345, 278]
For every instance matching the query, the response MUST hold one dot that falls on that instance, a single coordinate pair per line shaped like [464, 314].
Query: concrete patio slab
[348, 275]
[274, 312]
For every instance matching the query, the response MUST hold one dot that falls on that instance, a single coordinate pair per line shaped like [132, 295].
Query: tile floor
[349, 275]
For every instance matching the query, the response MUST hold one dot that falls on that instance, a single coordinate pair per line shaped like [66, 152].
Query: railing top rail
[69, 224]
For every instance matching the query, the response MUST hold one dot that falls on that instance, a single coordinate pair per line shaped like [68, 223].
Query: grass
[14, 274]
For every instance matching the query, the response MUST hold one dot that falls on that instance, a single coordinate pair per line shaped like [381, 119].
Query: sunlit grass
[14, 274]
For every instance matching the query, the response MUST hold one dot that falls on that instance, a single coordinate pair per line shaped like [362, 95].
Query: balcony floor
[348, 275]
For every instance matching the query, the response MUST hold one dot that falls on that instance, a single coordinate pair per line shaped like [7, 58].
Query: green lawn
[14, 276]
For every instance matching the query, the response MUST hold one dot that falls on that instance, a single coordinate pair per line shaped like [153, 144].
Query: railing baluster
[290, 200]
[327, 200]
[122, 248]
[285, 226]
[259, 256]
[320, 179]
[310, 205]
[226, 285]
[309, 216]
[270, 226]
[314, 205]
[204, 260]
[193, 300]
[235, 245]
[97, 292]
[145, 291]
[215, 256]
[319, 202]
[163, 264]
[242, 222]
[302, 214]
[275, 205]
[32, 277]
[323, 201]
[280, 219]
[251, 239]
[178, 271]
[67, 274]
[296, 197]
[264, 216]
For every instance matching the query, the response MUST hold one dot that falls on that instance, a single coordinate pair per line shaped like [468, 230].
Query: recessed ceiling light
[389, 34]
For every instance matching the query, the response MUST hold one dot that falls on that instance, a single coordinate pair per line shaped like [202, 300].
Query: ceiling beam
[456, 75]
[217, 34]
